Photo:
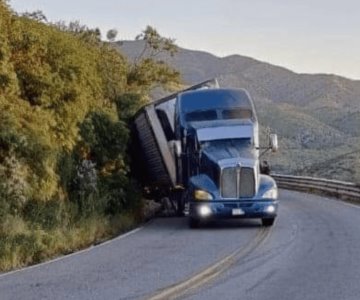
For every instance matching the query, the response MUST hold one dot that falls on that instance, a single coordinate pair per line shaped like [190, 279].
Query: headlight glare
[204, 211]
[270, 209]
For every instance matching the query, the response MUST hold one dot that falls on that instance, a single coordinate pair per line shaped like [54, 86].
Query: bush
[65, 100]
[45, 215]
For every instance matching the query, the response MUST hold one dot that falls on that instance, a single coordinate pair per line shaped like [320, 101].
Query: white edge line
[346, 203]
[337, 200]
[73, 254]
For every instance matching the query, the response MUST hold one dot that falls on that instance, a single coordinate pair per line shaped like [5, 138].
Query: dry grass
[21, 245]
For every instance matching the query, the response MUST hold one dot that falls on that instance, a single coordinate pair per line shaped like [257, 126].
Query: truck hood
[219, 157]
[224, 155]
[224, 143]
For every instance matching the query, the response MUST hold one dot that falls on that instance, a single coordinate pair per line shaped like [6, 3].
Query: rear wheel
[268, 222]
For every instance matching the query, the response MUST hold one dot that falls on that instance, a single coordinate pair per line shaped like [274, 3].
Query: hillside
[317, 116]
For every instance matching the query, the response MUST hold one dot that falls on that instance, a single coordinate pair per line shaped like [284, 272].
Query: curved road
[312, 252]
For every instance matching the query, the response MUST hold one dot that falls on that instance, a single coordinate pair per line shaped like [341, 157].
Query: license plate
[237, 212]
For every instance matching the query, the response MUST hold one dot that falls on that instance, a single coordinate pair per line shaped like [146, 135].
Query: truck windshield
[236, 113]
[201, 115]
[227, 143]
[212, 114]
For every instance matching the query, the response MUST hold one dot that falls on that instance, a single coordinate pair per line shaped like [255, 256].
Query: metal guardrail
[334, 188]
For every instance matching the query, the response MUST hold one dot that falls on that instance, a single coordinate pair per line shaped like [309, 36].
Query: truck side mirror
[177, 148]
[274, 142]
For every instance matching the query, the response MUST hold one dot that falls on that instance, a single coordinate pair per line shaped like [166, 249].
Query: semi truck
[200, 148]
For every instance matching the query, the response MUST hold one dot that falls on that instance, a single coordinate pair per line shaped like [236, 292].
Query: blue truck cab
[211, 153]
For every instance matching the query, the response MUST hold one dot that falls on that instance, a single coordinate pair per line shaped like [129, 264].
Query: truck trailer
[200, 148]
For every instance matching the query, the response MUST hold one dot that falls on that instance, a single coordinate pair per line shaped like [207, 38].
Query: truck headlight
[270, 209]
[271, 194]
[204, 211]
[202, 195]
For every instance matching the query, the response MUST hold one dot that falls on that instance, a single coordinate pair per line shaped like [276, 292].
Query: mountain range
[316, 116]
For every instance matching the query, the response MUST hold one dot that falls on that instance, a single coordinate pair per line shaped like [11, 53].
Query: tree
[155, 44]
[111, 34]
[82, 31]
[8, 78]
[149, 69]
[37, 15]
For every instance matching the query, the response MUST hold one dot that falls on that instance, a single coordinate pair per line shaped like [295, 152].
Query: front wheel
[194, 223]
[267, 222]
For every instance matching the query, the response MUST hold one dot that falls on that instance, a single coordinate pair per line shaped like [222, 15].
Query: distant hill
[317, 117]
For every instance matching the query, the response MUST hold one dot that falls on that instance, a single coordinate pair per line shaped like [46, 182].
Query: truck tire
[267, 222]
[178, 202]
[180, 209]
[194, 223]
[180, 205]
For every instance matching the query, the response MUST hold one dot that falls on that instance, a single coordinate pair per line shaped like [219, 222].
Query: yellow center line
[210, 272]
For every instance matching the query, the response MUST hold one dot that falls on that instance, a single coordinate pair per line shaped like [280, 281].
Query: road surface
[312, 252]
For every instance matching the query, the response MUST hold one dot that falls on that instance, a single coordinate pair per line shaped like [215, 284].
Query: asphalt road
[312, 252]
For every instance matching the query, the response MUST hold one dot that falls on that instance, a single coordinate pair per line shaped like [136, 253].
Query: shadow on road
[181, 223]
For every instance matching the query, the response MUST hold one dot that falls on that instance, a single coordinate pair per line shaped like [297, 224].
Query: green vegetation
[65, 100]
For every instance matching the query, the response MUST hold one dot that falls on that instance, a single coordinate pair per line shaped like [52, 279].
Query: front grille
[238, 182]
[247, 183]
[229, 183]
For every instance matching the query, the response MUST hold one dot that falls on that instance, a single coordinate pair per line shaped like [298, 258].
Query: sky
[306, 36]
